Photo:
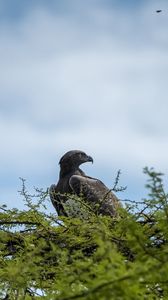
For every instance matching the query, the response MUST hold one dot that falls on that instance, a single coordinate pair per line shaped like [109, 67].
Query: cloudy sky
[90, 75]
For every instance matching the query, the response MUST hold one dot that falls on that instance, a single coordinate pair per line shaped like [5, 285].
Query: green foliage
[46, 257]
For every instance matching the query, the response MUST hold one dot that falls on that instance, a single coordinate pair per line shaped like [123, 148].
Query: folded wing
[57, 200]
[95, 192]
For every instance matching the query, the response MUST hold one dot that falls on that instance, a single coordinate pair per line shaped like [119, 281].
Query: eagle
[74, 184]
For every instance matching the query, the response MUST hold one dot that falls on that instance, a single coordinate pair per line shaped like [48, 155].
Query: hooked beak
[89, 158]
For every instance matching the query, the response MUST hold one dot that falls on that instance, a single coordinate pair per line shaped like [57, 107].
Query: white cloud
[96, 83]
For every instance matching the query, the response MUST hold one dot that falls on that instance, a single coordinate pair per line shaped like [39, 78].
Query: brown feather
[73, 181]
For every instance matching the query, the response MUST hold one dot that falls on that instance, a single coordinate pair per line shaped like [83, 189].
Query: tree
[43, 257]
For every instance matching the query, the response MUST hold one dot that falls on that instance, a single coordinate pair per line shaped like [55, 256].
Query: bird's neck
[70, 170]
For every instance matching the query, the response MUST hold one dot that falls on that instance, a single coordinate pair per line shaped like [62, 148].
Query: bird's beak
[89, 158]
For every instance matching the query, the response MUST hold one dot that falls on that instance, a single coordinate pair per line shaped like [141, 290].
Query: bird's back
[95, 192]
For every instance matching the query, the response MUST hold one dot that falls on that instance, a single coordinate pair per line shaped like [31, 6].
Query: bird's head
[74, 158]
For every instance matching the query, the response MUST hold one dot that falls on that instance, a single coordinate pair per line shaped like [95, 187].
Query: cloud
[91, 78]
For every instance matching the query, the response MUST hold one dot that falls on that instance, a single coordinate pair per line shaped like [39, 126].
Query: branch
[19, 223]
[97, 288]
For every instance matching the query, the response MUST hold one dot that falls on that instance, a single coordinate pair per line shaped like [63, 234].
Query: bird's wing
[56, 199]
[95, 192]
[66, 204]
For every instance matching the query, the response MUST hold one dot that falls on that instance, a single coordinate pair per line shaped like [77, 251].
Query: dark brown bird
[74, 182]
[158, 11]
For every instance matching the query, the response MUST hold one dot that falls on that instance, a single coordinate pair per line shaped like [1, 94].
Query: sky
[89, 75]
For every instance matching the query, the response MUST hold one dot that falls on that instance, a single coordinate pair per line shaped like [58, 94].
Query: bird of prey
[73, 182]
[158, 11]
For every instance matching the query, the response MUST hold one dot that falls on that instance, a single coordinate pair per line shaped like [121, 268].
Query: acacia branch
[97, 288]
[19, 223]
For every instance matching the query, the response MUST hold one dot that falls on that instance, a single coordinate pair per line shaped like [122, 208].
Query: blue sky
[89, 75]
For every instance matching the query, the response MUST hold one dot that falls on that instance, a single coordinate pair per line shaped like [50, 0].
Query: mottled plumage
[73, 181]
